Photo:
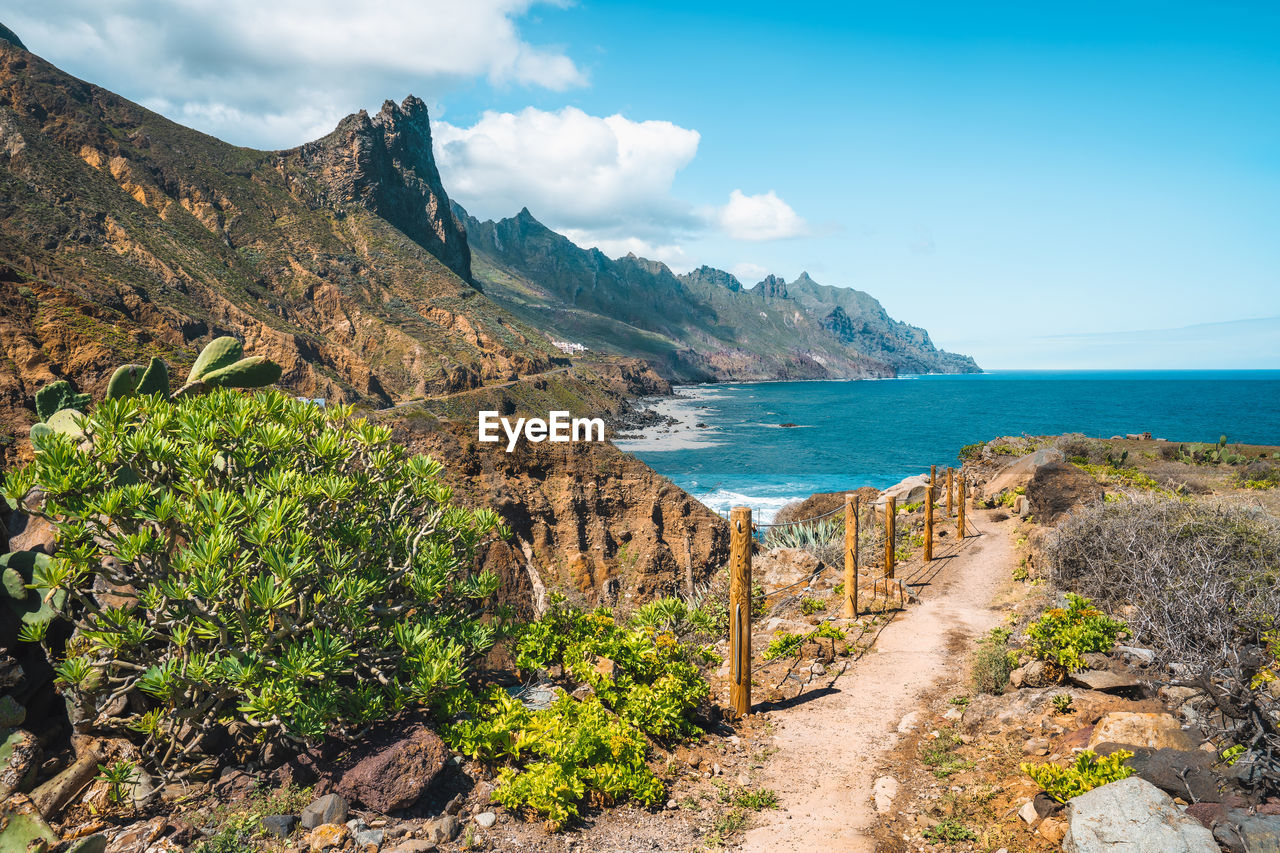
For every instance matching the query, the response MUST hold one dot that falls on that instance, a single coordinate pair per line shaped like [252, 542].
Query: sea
[730, 447]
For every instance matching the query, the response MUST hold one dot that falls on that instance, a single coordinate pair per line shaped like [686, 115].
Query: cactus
[156, 378]
[221, 352]
[124, 382]
[40, 431]
[22, 828]
[253, 372]
[67, 422]
[31, 607]
[15, 586]
[57, 396]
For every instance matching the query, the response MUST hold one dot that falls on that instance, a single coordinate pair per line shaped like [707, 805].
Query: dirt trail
[829, 748]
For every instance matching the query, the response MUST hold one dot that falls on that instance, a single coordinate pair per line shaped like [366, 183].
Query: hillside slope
[698, 327]
[125, 235]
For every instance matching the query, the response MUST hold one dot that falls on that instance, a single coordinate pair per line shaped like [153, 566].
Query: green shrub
[655, 684]
[293, 568]
[1088, 772]
[810, 606]
[949, 831]
[785, 644]
[757, 800]
[992, 663]
[1064, 635]
[939, 754]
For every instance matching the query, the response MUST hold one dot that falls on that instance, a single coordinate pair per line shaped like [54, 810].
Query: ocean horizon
[852, 433]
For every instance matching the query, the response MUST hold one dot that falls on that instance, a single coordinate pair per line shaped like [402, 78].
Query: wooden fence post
[949, 510]
[740, 609]
[960, 522]
[928, 523]
[850, 556]
[890, 535]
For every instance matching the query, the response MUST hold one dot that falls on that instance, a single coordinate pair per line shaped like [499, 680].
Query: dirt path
[829, 748]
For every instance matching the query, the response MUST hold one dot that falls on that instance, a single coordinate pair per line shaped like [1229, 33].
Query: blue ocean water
[851, 434]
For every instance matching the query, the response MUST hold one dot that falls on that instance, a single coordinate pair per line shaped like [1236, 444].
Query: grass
[237, 824]
[757, 799]
[939, 754]
[950, 831]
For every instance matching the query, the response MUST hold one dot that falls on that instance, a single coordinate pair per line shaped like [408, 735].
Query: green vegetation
[757, 799]
[1062, 703]
[1064, 635]
[786, 644]
[810, 606]
[1088, 772]
[992, 662]
[1210, 454]
[940, 754]
[237, 824]
[949, 831]
[293, 569]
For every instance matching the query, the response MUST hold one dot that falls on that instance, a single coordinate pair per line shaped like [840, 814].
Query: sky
[1040, 185]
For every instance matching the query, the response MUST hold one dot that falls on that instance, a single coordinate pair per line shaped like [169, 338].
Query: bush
[992, 663]
[640, 671]
[570, 753]
[823, 538]
[1088, 772]
[1214, 566]
[273, 563]
[1064, 636]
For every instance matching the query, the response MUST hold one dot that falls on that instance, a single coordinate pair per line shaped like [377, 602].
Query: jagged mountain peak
[773, 286]
[711, 275]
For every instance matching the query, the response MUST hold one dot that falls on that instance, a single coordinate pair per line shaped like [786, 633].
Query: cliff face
[386, 164]
[124, 235]
[699, 327]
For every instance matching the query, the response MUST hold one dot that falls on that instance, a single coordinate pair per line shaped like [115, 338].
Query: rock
[1242, 832]
[1045, 805]
[12, 714]
[1132, 816]
[1133, 653]
[280, 825]
[1188, 774]
[331, 808]
[909, 723]
[32, 533]
[391, 771]
[1059, 487]
[1106, 681]
[1036, 746]
[485, 820]
[1155, 731]
[328, 836]
[781, 567]
[1034, 674]
[818, 668]
[1178, 695]
[883, 793]
[444, 830]
[1097, 660]
[605, 668]
[1052, 830]
[414, 845]
[19, 761]
[1028, 812]
[1018, 473]
[909, 491]
[365, 837]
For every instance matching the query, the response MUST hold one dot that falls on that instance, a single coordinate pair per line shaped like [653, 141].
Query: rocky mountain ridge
[702, 326]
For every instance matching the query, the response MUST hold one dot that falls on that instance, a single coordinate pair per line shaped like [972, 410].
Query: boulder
[1132, 816]
[391, 772]
[1185, 773]
[1154, 731]
[329, 809]
[1018, 473]
[781, 567]
[909, 491]
[443, 830]
[1034, 674]
[1242, 832]
[279, 825]
[32, 533]
[1106, 681]
[1057, 488]
[328, 836]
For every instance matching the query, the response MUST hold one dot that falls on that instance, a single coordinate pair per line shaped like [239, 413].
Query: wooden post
[851, 556]
[949, 510]
[928, 523]
[890, 531]
[740, 609]
[960, 522]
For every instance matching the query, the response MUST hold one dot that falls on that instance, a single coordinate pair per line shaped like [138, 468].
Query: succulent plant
[222, 364]
[131, 379]
[59, 395]
[20, 568]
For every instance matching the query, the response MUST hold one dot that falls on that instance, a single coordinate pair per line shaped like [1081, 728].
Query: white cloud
[605, 179]
[760, 217]
[670, 254]
[749, 273]
[280, 73]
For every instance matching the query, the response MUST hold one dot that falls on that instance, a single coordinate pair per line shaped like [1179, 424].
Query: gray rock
[1185, 773]
[484, 820]
[1242, 832]
[280, 825]
[414, 845]
[331, 808]
[1106, 681]
[444, 830]
[365, 837]
[1146, 656]
[1132, 816]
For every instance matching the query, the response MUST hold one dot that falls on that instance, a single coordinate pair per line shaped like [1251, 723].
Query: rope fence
[742, 533]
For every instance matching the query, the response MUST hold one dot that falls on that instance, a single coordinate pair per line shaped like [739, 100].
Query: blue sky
[1004, 174]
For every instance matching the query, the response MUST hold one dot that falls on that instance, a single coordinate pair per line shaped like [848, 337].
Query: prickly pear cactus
[253, 372]
[124, 382]
[221, 352]
[156, 378]
[31, 607]
[67, 422]
[57, 396]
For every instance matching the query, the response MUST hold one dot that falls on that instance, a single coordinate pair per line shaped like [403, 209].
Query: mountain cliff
[703, 326]
[124, 235]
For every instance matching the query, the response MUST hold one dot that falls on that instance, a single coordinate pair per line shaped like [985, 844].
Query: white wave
[763, 507]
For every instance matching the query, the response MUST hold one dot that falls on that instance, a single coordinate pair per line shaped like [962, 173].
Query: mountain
[124, 235]
[698, 327]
